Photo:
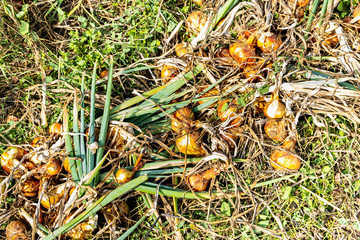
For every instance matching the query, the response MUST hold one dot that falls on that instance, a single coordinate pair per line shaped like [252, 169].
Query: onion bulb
[189, 143]
[231, 135]
[104, 73]
[229, 108]
[182, 119]
[243, 53]
[96, 133]
[55, 129]
[182, 49]
[200, 181]
[285, 159]
[67, 165]
[211, 93]
[53, 196]
[30, 187]
[16, 230]
[252, 74]
[196, 21]
[223, 56]
[51, 168]
[276, 130]
[10, 159]
[38, 141]
[83, 230]
[274, 108]
[11, 118]
[268, 42]
[168, 72]
[124, 175]
[118, 210]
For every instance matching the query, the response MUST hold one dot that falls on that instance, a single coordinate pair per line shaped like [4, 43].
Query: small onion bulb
[182, 49]
[196, 21]
[268, 42]
[200, 181]
[55, 129]
[182, 119]
[189, 143]
[276, 130]
[274, 108]
[16, 230]
[285, 159]
[243, 53]
[168, 72]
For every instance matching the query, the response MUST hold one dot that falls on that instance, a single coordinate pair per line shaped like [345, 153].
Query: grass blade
[130, 230]
[95, 207]
[90, 156]
[68, 146]
[105, 120]
[82, 129]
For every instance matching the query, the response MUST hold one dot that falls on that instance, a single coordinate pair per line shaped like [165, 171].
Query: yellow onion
[268, 42]
[182, 119]
[243, 53]
[116, 141]
[259, 105]
[229, 108]
[16, 230]
[223, 56]
[276, 130]
[200, 181]
[303, 3]
[182, 49]
[55, 129]
[196, 21]
[10, 159]
[83, 230]
[53, 196]
[331, 40]
[30, 187]
[38, 141]
[285, 159]
[274, 108]
[252, 74]
[124, 175]
[189, 143]
[211, 93]
[168, 72]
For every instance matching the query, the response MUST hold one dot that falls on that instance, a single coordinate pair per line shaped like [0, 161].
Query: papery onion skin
[276, 130]
[82, 231]
[286, 159]
[243, 53]
[168, 72]
[182, 119]
[188, 143]
[229, 108]
[200, 181]
[55, 129]
[211, 93]
[16, 230]
[196, 21]
[30, 187]
[182, 49]
[268, 42]
[274, 108]
[123, 175]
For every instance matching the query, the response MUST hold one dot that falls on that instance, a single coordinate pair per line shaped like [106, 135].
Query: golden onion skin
[196, 21]
[303, 3]
[182, 49]
[243, 53]
[276, 130]
[285, 159]
[83, 230]
[356, 12]
[16, 230]
[55, 129]
[182, 119]
[228, 108]
[188, 143]
[123, 175]
[200, 181]
[30, 187]
[168, 72]
[37, 142]
[268, 42]
[274, 108]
